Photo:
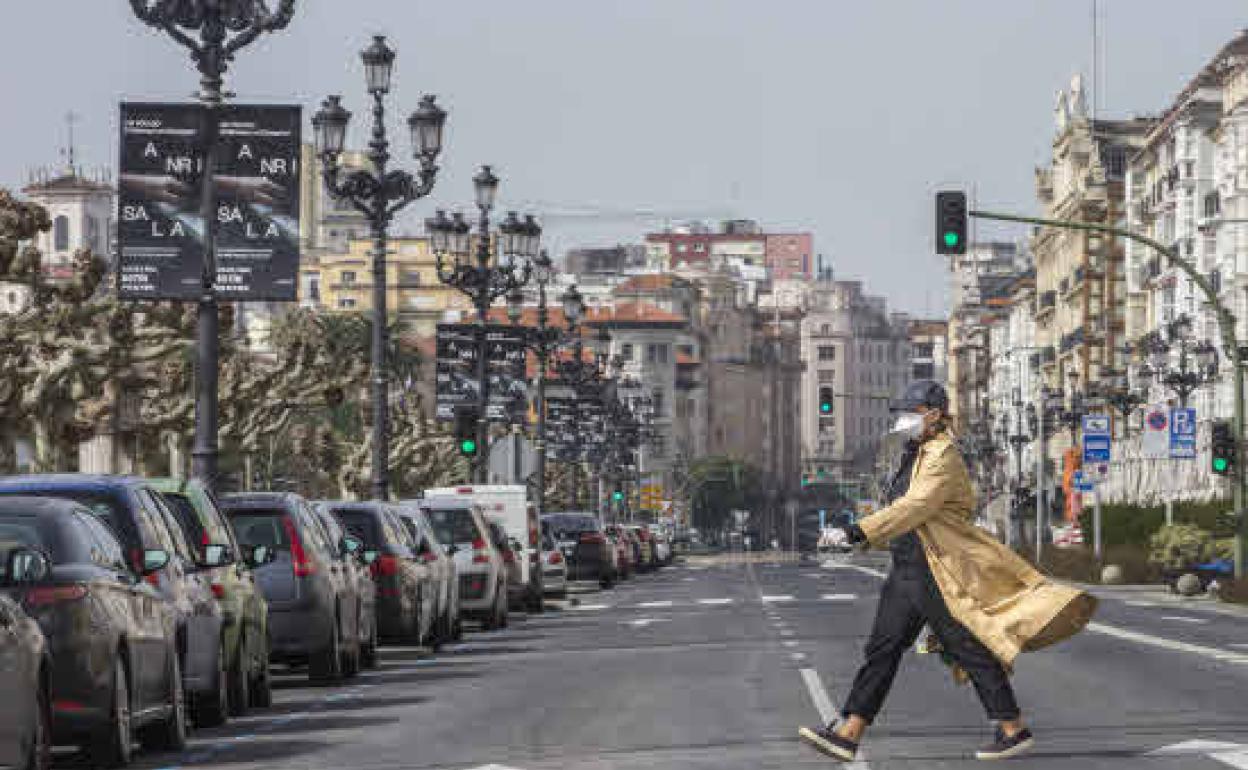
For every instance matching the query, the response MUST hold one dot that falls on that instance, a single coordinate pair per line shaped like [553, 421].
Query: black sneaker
[828, 742]
[1004, 747]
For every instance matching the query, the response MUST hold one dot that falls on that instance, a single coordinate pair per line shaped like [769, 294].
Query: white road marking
[779, 598]
[716, 601]
[1184, 619]
[856, 567]
[1169, 644]
[643, 622]
[1233, 754]
[655, 604]
[1240, 645]
[786, 632]
[586, 607]
[1140, 604]
[828, 711]
[789, 642]
[797, 656]
[839, 597]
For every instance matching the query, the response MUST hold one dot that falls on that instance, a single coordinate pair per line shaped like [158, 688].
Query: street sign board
[1096, 438]
[1183, 433]
[160, 229]
[1155, 442]
[1083, 482]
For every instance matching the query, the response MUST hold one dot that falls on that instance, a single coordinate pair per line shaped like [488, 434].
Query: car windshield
[571, 524]
[261, 526]
[452, 525]
[188, 518]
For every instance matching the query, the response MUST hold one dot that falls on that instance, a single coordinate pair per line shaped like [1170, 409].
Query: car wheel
[536, 605]
[111, 746]
[325, 665]
[458, 629]
[211, 708]
[351, 655]
[607, 581]
[262, 681]
[170, 733]
[39, 752]
[369, 655]
[240, 678]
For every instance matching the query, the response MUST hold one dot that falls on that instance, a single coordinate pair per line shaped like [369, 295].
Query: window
[827, 352]
[699, 247]
[346, 303]
[60, 233]
[93, 234]
[827, 375]
[681, 248]
[657, 397]
[314, 288]
[348, 276]
[663, 353]
[626, 351]
[826, 329]
[411, 277]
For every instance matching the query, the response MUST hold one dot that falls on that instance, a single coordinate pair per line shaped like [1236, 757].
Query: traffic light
[825, 401]
[617, 496]
[950, 222]
[466, 432]
[1222, 449]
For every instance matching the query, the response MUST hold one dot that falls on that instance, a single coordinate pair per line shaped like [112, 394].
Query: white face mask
[909, 425]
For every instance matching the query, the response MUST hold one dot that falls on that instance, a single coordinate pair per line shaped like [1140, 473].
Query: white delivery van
[508, 504]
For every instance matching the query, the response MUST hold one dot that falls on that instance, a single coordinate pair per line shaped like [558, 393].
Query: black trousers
[911, 599]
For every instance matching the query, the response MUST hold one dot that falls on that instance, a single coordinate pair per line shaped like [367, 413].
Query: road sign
[1155, 444]
[1183, 433]
[457, 369]
[1096, 439]
[1083, 482]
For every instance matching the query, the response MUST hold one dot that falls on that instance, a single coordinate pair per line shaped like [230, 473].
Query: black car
[311, 614]
[141, 519]
[584, 544]
[112, 638]
[25, 711]
[405, 600]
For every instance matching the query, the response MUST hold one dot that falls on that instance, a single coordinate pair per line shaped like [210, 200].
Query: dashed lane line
[652, 605]
[768, 599]
[1184, 619]
[716, 601]
[840, 597]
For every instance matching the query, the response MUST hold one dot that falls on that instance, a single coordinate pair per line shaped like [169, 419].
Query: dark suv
[584, 544]
[141, 519]
[311, 618]
[246, 631]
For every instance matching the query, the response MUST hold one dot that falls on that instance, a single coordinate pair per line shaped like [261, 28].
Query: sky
[833, 116]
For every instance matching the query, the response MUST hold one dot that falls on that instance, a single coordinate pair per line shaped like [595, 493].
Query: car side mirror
[154, 560]
[217, 555]
[260, 555]
[350, 545]
[369, 556]
[26, 565]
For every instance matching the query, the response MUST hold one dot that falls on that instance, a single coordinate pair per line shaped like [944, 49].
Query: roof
[69, 481]
[256, 499]
[528, 316]
[634, 313]
[1209, 76]
[684, 359]
[19, 504]
[650, 282]
[69, 182]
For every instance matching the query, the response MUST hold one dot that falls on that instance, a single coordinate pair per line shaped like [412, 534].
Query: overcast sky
[836, 116]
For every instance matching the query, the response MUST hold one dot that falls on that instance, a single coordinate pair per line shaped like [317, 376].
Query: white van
[508, 504]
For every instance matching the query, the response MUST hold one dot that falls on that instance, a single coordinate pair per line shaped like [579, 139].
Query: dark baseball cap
[928, 393]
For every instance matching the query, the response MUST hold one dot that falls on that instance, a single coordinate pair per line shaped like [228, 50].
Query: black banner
[457, 370]
[160, 228]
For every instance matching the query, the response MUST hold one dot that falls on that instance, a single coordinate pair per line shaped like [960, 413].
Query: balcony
[1046, 301]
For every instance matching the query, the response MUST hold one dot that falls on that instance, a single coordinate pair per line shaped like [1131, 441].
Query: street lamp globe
[439, 228]
[378, 61]
[532, 236]
[485, 184]
[460, 240]
[510, 235]
[426, 125]
[330, 127]
[543, 269]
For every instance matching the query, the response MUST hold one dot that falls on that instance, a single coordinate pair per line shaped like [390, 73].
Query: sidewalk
[1161, 595]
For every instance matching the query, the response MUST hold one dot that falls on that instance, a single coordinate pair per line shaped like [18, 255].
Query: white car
[554, 566]
[462, 529]
[447, 626]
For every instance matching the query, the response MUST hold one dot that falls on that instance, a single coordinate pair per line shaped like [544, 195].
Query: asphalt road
[715, 663]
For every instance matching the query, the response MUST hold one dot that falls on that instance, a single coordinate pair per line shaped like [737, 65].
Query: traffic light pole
[1230, 344]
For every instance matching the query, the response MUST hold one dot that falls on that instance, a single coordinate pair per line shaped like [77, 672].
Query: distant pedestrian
[983, 602]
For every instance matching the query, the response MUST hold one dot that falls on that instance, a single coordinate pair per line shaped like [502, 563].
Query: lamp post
[501, 262]
[224, 27]
[1198, 363]
[543, 340]
[379, 194]
[1122, 399]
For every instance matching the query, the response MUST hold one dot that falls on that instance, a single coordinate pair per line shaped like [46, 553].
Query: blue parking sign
[1183, 433]
[1096, 439]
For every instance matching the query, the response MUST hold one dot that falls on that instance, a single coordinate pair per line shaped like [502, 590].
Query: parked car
[461, 527]
[405, 598]
[134, 509]
[510, 551]
[361, 598]
[648, 560]
[508, 504]
[662, 546]
[311, 618]
[554, 566]
[111, 667]
[26, 711]
[447, 625]
[624, 556]
[584, 544]
[246, 631]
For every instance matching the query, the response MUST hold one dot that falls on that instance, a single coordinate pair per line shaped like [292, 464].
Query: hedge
[1135, 525]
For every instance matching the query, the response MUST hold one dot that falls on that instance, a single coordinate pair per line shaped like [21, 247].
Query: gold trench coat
[991, 590]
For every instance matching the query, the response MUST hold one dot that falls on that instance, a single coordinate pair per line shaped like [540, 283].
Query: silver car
[445, 576]
[554, 566]
[461, 528]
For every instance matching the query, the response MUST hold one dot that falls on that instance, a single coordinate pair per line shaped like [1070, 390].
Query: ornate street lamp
[1197, 366]
[501, 263]
[380, 194]
[223, 28]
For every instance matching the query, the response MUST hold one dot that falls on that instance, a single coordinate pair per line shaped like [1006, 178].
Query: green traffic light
[1220, 464]
[617, 496]
[825, 407]
[951, 239]
[468, 447]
